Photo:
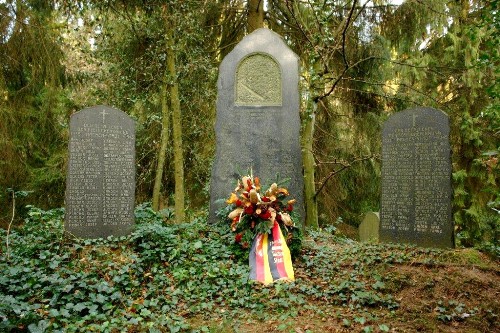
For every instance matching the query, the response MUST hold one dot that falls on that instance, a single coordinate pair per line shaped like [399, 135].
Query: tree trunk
[311, 205]
[255, 19]
[165, 127]
[177, 130]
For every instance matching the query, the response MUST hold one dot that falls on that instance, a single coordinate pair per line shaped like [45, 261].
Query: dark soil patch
[445, 297]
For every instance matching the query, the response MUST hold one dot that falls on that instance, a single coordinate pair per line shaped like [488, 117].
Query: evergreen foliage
[361, 62]
[364, 62]
[33, 104]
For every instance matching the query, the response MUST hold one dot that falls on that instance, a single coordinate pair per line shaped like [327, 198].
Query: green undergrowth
[186, 277]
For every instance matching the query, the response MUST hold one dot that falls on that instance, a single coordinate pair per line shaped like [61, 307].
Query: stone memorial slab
[369, 227]
[100, 188]
[416, 179]
[257, 124]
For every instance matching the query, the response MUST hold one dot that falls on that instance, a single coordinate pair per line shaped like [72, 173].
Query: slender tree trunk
[255, 19]
[177, 130]
[165, 127]
[311, 205]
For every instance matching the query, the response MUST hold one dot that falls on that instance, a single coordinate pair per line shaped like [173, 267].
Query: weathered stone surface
[416, 179]
[258, 122]
[369, 227]
[255, 89]
[100, 188]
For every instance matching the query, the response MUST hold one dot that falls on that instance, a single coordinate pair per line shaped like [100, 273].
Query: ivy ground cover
[189, 278]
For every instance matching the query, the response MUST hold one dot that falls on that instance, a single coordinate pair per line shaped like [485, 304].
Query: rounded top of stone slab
[420, 116]
[262, 40]
[104, 112]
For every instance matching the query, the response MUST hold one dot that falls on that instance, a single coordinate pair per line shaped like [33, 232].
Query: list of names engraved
[100, 191]
[416, 183]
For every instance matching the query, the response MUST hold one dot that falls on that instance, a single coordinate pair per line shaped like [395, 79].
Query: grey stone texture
[257, 124]
[369, 228]
[416, 179]
[100, 187]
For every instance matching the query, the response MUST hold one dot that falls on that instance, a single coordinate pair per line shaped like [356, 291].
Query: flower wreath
[253, 212]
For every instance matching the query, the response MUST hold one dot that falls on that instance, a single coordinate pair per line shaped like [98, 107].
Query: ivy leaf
[145, 312]
[41, 327]
[65, 313]
[383, 328]
[79, 307]
[100, 298]
[379, 285]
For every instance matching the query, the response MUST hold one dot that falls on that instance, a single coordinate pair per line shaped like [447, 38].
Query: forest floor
[189, 278]
[455, 291]
[444, 297]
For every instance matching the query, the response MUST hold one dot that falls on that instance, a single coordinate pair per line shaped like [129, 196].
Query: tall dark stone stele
[100, 188]
[416, 179]
[258, 124]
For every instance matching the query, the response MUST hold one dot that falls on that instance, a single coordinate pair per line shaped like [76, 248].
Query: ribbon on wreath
[270, 258]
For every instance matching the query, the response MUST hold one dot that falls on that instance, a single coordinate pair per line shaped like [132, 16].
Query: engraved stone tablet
[368, 229]
[100, 188]
[258, 81]
[257, 124]
[416, 179]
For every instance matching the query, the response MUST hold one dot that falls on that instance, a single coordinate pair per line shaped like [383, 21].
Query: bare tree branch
[344, 33]
[345, 165]
[340, 77]
[409, 87]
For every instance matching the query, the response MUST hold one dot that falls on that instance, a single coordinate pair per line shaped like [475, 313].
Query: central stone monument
[100, 187]
[258, 123]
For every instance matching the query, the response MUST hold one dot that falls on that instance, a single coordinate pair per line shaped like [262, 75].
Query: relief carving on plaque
[258, 81]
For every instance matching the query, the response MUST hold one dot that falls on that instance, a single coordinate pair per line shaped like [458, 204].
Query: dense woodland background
[361, 61]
